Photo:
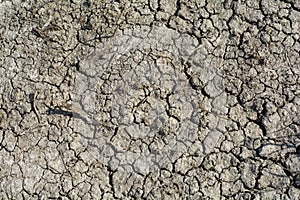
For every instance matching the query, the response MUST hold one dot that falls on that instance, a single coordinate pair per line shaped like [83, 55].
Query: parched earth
[186, 99]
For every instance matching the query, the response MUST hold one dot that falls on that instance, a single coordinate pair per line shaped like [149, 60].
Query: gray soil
[146, 99]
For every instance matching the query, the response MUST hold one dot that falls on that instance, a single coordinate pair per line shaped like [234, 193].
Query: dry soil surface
[150, 99]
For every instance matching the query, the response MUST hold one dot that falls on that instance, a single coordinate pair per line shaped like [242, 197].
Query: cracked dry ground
[149, 99]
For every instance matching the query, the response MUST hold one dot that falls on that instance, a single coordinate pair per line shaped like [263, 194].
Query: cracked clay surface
[150, 99]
